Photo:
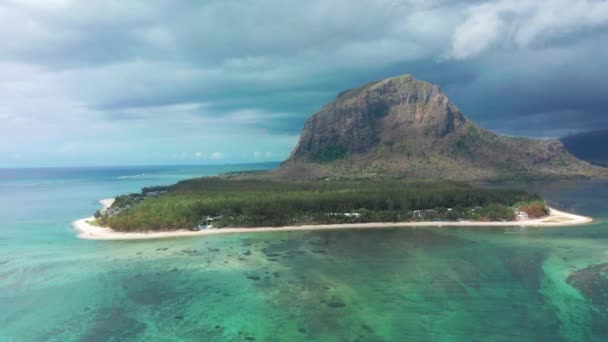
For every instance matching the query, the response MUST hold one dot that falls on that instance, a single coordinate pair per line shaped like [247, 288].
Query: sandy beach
[556, 218]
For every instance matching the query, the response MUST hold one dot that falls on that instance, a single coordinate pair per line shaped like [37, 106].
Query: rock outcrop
[404, 127]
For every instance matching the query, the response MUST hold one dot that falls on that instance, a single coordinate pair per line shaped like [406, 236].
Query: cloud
[258, 154]
[243, 76]
[216, 155]
[521, 24]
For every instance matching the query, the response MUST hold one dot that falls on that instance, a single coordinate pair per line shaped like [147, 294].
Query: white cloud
[156, 36]
[216, 155]
[476, 34]
[524, 23]
[258, 154]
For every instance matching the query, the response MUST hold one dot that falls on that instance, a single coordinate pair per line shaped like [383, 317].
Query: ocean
[403, 284]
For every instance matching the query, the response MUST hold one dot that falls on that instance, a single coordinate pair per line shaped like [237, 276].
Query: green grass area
[253, 203]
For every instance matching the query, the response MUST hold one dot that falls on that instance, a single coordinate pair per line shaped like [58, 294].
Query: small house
[207, 223]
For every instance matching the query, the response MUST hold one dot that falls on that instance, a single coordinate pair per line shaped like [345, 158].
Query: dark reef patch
[112, 324]
[592, 282]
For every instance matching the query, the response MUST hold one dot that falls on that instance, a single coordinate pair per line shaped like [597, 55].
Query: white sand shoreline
[85, 230]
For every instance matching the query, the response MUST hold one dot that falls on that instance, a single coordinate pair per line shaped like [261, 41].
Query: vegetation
[535, 209]
[254, 203]
[329, 154]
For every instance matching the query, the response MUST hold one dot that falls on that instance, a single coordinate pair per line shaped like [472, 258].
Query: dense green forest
[254, 203]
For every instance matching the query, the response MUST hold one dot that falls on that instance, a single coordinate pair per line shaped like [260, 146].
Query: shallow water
[456, 284]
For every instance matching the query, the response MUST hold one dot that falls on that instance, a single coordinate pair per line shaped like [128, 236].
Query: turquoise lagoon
[407, 284]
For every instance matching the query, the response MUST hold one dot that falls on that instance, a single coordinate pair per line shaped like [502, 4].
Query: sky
[105, 82]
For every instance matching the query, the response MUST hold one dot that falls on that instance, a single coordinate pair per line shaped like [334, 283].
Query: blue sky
[163, 82]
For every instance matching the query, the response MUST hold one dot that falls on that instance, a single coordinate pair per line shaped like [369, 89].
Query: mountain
[405, 127]
[589, 146]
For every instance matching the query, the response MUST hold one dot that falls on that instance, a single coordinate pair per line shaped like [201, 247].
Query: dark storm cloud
[299, 96]
[565, 85]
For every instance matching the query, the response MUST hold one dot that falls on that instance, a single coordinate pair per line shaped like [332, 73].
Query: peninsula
[217, 205]
[390, 153]
[87, 229]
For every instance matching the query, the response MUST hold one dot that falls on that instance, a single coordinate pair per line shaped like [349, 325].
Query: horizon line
[133, 165]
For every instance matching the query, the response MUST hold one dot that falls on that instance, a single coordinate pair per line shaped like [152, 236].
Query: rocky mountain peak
[379, 112]
[404, 127]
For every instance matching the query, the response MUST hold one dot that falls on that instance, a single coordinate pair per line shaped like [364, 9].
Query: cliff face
[381, 112]
[401, 126]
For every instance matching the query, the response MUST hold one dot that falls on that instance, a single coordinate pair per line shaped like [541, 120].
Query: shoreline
[556, 218]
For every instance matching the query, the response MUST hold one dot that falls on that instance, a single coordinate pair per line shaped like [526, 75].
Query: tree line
[251, 203]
